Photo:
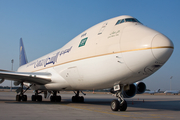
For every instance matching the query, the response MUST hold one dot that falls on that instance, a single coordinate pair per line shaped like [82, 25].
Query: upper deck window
[127, 20]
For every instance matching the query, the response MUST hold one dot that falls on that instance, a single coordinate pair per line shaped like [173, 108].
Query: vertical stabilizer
[22, 55]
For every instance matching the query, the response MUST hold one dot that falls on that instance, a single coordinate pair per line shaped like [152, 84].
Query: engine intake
[16, 83]
[131, 92]
[141, 87]
[1, 80]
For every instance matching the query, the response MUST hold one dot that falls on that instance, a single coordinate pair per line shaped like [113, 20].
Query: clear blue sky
[46, 25]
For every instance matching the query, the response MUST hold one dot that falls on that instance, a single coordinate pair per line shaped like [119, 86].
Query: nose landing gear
[119, 104]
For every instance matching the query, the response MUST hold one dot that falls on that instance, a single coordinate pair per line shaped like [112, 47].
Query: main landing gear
[36, 97]
[21, 96]
[119, 104]
[77, 98]
[55, 98]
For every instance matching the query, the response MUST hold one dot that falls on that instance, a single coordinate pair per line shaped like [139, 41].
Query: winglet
[22, 55]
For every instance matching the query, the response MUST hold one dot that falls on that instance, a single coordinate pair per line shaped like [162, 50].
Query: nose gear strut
[120, 103]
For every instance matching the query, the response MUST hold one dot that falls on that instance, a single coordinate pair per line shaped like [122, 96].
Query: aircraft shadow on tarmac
[158, 105]
[145, 105]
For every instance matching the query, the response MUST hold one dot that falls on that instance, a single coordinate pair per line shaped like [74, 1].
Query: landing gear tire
[21, 97]
[24, 98]
[120, 104]
[33, 97]
[55, 98]
[39, 98]
[74, 99]
[115, 105]
[18, 98]
[123, 106]
[36, 97]
[58, 98]
[79, 99]
[52, 98]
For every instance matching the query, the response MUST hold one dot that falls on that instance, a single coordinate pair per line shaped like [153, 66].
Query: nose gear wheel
[119, 104]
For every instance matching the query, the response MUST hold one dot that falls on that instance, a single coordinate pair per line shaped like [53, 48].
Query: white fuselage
[104, 55]
[172, 91]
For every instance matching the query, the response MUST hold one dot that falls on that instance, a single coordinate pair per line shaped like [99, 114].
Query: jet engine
[16, 83]
[141, 87]
[1, 80]
[136, 88]
[131, 92]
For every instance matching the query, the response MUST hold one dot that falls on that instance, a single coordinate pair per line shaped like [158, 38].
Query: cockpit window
[127, 20]
[122, 21]
[131, 20]
[118, 22]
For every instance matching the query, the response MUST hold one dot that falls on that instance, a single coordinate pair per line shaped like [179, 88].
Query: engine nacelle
[141, 87]
[1, 80]
[131, 92]
[16, 83]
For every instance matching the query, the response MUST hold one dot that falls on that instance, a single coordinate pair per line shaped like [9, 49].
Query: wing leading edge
[40, 78]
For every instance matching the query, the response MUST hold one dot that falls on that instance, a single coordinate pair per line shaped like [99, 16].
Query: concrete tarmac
[96, 106]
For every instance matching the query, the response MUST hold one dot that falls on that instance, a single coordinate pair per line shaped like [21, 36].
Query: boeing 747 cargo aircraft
[116, 53]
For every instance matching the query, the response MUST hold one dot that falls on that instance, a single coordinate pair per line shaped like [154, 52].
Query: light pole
[11, 70]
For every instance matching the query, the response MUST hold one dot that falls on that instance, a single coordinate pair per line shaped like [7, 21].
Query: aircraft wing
[40, 78]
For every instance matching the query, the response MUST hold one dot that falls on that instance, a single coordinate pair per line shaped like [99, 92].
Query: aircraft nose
[162, 48]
